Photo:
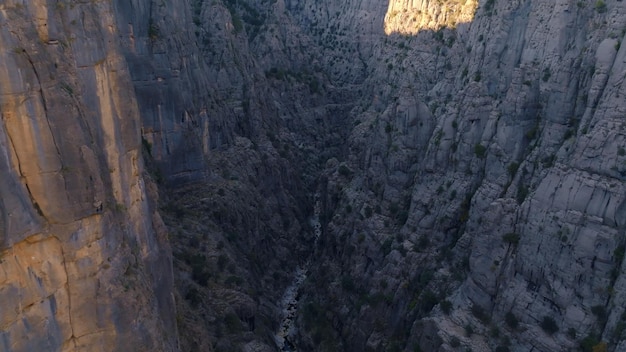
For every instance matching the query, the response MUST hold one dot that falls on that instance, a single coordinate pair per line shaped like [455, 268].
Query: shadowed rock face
[84, 262]
[488, 142]
[469, 158]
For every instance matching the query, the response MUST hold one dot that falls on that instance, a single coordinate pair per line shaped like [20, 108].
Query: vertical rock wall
[489, 147]
[84, 263]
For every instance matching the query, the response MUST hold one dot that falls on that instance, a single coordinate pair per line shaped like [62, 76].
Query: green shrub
[571, 333]
[549, 325]
[512, 168]
[193, 296]
[480, 150]
[200, 275]
[428, 300]
[446, 307]
[587, 344]
[522, 193]
[568, 134]
[511, 237]
[153, 30]
[386, 246]
[489, 6]
[532, 133]
[314, 85]
[601, 347]
[237, 23]
[402, 217]
[423, 242]
[394, 208]
[222, 261]
[232, 322]
[480, 313]
[600, 312]
[348, 283]
[344, 170]
[511, 320]
[233, 281]
[600, 6]
[619, 330]
[148, 146]
[619, 253]
[546, 75]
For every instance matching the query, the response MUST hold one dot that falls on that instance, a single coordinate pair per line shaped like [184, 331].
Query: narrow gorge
[439, 175]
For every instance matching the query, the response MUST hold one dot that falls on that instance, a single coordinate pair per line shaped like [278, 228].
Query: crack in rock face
[289, 302]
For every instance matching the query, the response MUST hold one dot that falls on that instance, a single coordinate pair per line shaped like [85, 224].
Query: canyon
[195, 175]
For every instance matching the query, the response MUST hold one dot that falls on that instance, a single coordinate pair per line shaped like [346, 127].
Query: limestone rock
[82, 266]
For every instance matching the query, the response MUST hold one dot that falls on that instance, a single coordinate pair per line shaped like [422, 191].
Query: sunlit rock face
[408, 17]
[83, 262]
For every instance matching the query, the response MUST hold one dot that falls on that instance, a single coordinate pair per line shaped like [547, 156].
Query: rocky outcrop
[91, 86]
[84, 260]
[411, 17]
[491, 155]
[230, 123]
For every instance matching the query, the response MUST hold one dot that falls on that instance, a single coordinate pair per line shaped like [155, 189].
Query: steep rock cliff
[234, 125]
[484, 148]
[84, 261]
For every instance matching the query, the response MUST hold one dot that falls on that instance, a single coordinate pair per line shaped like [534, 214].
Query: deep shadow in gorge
[427, 149]
[240, 225]
[340, 305]
[439, 209]
[322, 139]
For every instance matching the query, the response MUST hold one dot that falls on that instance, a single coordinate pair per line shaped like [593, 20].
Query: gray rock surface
[470, 157]
[84, 260]
[520, 174]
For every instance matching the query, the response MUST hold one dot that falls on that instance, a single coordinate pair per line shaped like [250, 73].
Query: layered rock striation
[84, 260]
[486, 152]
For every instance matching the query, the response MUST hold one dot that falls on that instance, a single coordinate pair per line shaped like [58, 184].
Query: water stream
[289, 303]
